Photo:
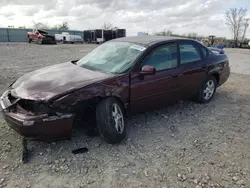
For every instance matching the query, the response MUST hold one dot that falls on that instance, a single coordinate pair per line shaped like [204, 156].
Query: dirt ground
[184, 145]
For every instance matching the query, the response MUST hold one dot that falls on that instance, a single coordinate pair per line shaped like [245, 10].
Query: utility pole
[245, 29]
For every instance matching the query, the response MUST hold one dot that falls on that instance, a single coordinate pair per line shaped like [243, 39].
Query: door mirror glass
[147, 70]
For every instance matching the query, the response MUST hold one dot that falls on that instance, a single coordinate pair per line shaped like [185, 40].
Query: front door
[154, 91]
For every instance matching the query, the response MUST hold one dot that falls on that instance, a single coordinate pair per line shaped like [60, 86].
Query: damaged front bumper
[36, 126]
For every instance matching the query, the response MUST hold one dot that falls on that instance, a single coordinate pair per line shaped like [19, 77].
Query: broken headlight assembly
[34, 107]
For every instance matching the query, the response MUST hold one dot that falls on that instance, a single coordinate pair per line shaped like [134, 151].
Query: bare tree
[63, 26]
[40, 25]
[164, 33]
[192, 35]
[246, 24]
[108, 25]
[234, 20]
[169, 33]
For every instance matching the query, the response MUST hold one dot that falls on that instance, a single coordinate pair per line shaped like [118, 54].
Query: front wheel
[111, 120]
[207, 90]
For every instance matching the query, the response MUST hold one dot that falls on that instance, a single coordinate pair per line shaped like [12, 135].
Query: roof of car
[148, 40]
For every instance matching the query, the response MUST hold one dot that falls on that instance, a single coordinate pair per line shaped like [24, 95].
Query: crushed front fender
[37, 126]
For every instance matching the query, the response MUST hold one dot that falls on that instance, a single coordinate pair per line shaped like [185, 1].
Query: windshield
[112, 57]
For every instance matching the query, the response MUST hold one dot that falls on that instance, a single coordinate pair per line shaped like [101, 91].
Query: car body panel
[117, 86]
[41, 128]
[51, 81]
[153, 91]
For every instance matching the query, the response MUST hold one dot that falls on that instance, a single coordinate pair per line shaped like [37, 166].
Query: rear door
[153, 91]
[192, 66]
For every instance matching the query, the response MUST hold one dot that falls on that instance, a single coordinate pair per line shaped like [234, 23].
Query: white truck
[65, 37]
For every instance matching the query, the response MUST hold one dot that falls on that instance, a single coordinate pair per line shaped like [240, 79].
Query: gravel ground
[184, 145]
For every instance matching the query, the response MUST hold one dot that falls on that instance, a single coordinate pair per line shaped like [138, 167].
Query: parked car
[65, 37]
[40, 37]
[118, 78]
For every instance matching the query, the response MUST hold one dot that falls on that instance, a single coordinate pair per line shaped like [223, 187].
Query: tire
[206, 97]
[111, 132]
[29, 40]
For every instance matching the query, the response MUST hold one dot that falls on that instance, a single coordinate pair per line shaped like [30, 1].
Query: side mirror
[147, 70]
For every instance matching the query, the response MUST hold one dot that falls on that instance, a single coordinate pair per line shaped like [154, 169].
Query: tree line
[235, 19]
[65, 26]
[43, 26]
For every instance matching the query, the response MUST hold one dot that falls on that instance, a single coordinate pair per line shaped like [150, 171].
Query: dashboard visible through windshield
[112, 57]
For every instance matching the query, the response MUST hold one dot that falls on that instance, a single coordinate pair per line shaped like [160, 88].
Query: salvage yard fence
[20, 35]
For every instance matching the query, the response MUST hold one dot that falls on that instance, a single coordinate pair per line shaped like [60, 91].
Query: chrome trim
[4, 101]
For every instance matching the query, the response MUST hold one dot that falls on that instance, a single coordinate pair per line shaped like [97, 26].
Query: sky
[205, 17]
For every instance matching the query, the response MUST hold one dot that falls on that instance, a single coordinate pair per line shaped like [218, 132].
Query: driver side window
[162, 57]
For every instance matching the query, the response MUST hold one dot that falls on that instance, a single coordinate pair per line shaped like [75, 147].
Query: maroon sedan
[120, 77]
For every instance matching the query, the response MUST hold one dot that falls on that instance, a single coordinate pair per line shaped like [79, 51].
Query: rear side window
[204, 51]
[189, 53]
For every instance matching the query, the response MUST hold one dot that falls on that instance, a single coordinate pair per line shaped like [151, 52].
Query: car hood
[48, 82]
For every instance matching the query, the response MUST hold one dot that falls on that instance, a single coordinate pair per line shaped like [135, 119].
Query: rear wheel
[111, 120]
[207, 90]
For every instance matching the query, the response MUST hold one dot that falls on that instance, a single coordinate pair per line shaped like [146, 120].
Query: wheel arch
[216, 75]
[125, 107]
[92, 103]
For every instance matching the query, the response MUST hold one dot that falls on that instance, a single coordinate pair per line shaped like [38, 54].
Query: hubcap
[209, 90]
[118, 118]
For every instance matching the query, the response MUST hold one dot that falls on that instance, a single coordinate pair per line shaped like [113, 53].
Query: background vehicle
[118, 78]
[211, 41]
[102, 35]
[40, 37]
[245, 44]
[65, 37]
